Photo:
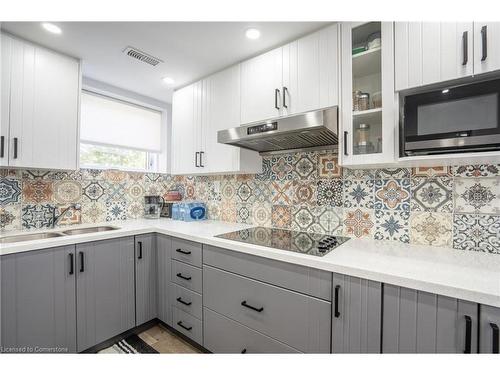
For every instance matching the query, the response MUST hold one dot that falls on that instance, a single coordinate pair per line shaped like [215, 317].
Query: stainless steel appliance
[152, 206]
[300, 242]
[452, 119]
[316, 129]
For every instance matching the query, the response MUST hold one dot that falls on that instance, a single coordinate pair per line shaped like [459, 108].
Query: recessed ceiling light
[168, 80]
[50, 27]
[252, 33]
[445, 91]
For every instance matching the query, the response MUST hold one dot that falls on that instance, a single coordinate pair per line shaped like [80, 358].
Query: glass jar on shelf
[363, 145]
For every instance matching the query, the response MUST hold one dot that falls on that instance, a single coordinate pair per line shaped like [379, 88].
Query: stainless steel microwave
[452, 119]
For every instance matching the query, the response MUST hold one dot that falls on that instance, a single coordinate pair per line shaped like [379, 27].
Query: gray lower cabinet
[357, 315]
[164, 246]
[298, 320]
[38, 301]
[104, 289]
[224, 335]
[489, 326]
[421, 322]
[146, 273]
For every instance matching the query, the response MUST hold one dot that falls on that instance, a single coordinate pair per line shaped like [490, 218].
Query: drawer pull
[244, 351]
[495, 338]
[244, 303]
[337, 312]
[183, 252]
[183, 277]
[184, 302]
[179, 323]
[139, 243]
[71, 264]
[468, 334]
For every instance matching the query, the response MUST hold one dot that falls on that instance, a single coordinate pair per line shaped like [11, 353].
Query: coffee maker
[152, 206]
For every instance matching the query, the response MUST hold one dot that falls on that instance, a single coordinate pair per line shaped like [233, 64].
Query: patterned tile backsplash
[455, 207]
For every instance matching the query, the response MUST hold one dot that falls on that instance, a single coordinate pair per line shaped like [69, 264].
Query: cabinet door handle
[276, 96]
[183, 277]
[71, 264]
[196, 159]
[180, 300]
[179, 323]
[337, 290]
[345, 143]
[2, 146]
[465, 46]
[285, 90]
[495, 339]
[244, 303]
[244, 351]
[139, 243]
[15, 147]
[468, 334]
[201, 160]
[183, 251]
[484, 42]
[82, 261]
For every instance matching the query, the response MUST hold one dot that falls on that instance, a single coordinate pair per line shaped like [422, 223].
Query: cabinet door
[357, 315]
[6, 68]
[486, 47]
[310, 72]
[164, 245]
[223, 112]
[430, 52]
[38, 301]
[184, 134]
[368, 131]
[104, 290]
[44, 103]
[489, 329]
[146, 272]
[260, 78]
[421, 322]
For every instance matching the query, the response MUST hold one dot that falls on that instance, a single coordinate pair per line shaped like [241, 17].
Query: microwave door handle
[484, 42]
[465, 46]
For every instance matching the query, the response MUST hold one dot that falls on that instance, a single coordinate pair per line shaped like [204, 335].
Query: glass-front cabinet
[368, 120]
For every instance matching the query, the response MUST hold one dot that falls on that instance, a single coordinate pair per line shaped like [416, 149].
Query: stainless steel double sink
[45, 235]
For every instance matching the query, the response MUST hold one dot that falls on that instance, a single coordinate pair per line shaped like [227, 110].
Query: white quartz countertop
[465, 275]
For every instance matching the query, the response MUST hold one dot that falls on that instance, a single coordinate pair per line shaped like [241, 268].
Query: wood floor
[164, 341]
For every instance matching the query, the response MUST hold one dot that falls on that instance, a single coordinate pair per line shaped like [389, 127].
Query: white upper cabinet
[431, 52]
[40, 106]
[368, 121]
[261, 85]
[486, 47]
[311, 71]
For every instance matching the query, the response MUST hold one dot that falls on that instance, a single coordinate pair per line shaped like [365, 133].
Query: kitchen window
[118, 134]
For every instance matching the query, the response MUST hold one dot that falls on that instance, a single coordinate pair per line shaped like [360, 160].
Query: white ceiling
[190, 50]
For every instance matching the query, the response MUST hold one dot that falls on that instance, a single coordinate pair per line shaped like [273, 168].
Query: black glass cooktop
[283, 239]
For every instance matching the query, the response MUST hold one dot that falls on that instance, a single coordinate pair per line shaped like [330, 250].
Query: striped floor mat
[130, 345]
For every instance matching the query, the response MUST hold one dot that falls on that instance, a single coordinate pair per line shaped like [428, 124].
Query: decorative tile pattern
[116, 191]
[67, 191]
[359, 193]
[281, 216]
[10, 191]
[329, 192]
[228, 212]
[94, 212]
[477, 195]
[214, 211]
[37, 216]
[328, 166]
[359, 174]
[261, 214]
[282, 192]
[328, 220]
[476, 171]
[135, 191]
[244, 213]
[432, 194]
[116, 210]
[358, 223]
[93, 191]
[431, 171]
[304, 193]
[135, 210]
[281, 167]
[304, 166]
[431, 228]
[10, 217]
[70, 217]
[386, 173]
[392, 194]
[38, 191]
[392, 225]
[244, 192]
[302, 218]
[266, 170]
[477, 233]
[262, 191]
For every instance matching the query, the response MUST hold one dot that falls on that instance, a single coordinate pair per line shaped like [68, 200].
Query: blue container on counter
[189, 211]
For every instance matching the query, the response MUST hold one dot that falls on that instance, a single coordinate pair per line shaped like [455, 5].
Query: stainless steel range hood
[310, 130]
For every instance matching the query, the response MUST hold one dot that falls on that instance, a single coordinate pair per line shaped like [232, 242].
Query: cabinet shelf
[367, 63]
[370, 115]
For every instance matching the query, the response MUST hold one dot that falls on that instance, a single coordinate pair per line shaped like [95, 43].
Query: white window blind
[112, 122]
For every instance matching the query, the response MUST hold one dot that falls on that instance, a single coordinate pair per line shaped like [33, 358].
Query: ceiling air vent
[142, 56]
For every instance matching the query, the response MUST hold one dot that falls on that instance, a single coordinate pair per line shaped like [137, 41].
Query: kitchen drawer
[187, 325]
[186, 300]
[295, 319]
[223, 335]
[186, 251]
[314, 282]
[187, 276]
